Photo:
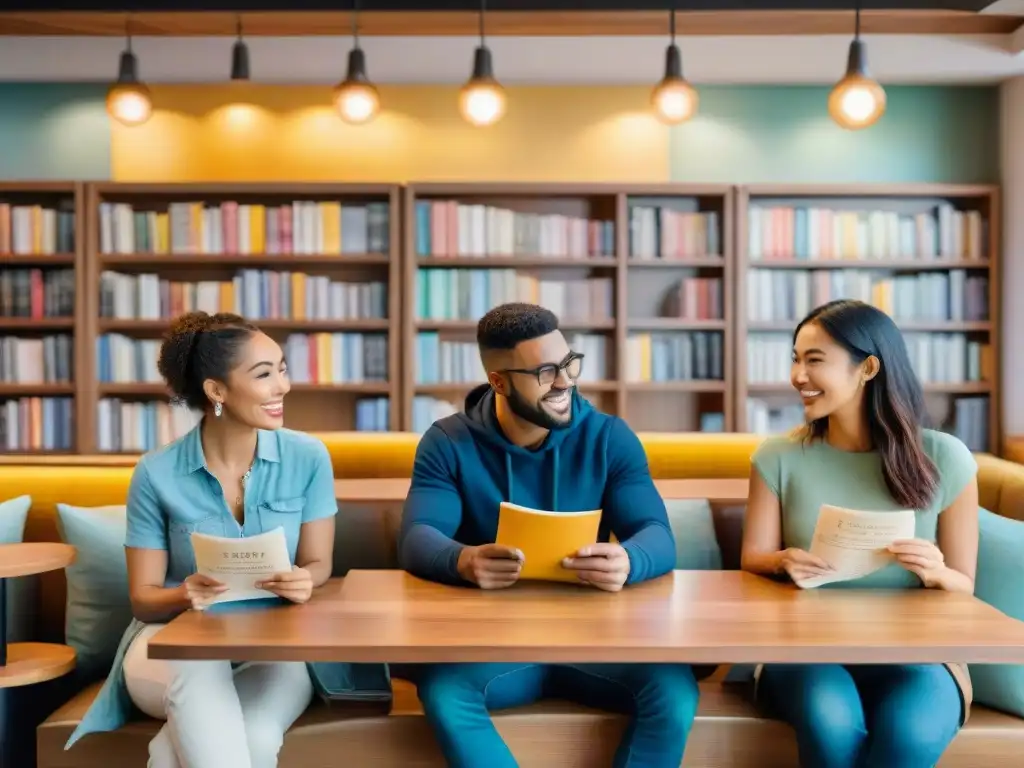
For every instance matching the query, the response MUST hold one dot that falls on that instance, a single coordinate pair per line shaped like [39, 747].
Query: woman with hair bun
[237, 473]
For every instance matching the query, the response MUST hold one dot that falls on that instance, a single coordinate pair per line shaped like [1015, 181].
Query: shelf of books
[314, 265]
[926, 254]
[637, 276]
[41, 341]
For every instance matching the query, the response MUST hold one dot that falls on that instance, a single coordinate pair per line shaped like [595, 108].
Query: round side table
[30, 663]
[24, 664]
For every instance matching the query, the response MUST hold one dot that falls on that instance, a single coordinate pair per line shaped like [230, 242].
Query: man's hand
[491, 566]
[602, 565]
[295, 585]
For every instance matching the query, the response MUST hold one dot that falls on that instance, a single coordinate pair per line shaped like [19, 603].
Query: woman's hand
[801, 564]
[922, 558]
[200, 590]
[295, 585]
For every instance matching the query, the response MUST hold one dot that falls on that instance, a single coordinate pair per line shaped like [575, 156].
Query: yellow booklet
[546, 538]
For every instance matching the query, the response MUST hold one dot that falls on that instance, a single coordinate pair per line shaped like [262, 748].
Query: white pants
[216, 716]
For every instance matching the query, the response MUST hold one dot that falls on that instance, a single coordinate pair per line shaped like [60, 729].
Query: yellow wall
[289, 133]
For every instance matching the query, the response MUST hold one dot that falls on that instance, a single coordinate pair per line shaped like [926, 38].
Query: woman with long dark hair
[864, 447]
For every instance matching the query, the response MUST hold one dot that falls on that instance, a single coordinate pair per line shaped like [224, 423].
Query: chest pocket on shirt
[284, 513]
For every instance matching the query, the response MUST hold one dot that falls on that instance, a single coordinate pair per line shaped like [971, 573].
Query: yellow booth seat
[728, 733]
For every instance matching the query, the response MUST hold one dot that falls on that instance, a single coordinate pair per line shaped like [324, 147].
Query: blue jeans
[865, 716]
[660, 698]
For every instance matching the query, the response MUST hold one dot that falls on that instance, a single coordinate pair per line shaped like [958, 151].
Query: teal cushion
[20, 592]
[13, 514]
[98, 609]
[1000, 583]
[693, 524]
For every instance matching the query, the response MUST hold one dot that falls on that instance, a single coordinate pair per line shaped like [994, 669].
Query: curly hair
[507, 325]
[201, 346]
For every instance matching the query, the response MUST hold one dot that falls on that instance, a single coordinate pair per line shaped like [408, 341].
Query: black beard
[533, 413]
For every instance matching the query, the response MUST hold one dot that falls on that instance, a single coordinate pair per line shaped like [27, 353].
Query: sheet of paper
[240, 563]
[854, 542]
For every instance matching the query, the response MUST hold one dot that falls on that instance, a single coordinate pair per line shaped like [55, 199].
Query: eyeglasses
[547, 374]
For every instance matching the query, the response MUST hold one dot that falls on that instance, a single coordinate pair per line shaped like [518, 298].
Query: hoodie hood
[480, 419]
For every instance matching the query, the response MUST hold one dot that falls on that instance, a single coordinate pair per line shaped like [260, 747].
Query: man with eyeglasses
[528, 437]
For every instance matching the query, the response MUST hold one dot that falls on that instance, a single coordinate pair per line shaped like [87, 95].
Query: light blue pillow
[13, 514]
[693, 524]
[98, 608]
[999, 581]
[20, 592]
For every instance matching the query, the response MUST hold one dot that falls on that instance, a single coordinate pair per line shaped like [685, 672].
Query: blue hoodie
[465, 467]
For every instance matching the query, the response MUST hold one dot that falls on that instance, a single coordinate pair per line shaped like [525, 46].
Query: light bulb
[482, 103]
[356, 102]
[674, 100]
[482, 99]
[857, 101]
[355, 97]
[129, 103]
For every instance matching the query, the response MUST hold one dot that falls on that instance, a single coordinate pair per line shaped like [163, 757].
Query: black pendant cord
[483, 15]
[856, 22]
[355, 24]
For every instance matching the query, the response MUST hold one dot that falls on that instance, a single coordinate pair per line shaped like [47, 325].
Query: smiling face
[546, 403]
[826, 376]
[255, 388]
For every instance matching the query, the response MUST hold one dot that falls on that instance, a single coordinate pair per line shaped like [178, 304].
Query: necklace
[245, 479]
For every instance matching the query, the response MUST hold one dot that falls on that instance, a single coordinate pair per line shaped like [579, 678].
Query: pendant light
[857, 101]
[128, 99]
[240, 57]
[674, 99]
[482, 99]
[355, 97]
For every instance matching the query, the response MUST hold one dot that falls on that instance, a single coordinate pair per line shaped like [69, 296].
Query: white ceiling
[541, 60]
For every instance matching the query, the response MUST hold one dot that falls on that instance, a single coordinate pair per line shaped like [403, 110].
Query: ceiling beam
[506, 23]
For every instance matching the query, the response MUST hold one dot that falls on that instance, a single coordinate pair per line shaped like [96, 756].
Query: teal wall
[54, 131]
[777, 134]
[742, 134]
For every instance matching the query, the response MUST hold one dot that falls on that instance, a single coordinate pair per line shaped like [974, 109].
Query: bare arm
[762, 529]
[151, 601]
[957, 538]
[315, 552]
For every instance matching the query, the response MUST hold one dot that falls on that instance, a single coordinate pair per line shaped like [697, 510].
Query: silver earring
[218, 409]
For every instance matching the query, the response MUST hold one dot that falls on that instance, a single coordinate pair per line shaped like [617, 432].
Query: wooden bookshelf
[41, 272]
[213, 238]
[490, 232]
[940, 242]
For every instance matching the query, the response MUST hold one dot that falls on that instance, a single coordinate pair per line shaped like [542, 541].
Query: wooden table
[395, 489]
[687, 616]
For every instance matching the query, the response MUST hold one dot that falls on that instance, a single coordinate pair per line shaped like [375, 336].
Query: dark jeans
[865, 716]
[660, 698]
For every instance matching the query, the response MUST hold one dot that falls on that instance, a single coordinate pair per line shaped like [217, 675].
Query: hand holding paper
[241, 564]
[856, 543]
[922, 558]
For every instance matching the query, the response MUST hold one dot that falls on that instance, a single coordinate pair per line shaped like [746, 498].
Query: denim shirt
[172, 494]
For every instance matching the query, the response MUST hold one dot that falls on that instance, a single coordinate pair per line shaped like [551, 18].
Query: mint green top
[805, 475]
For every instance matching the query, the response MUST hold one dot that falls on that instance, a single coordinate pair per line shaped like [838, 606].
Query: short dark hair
[201, 346]
[895, 399]
[507, 325]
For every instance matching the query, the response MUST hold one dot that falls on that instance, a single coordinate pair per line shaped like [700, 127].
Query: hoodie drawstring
[554, 480]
